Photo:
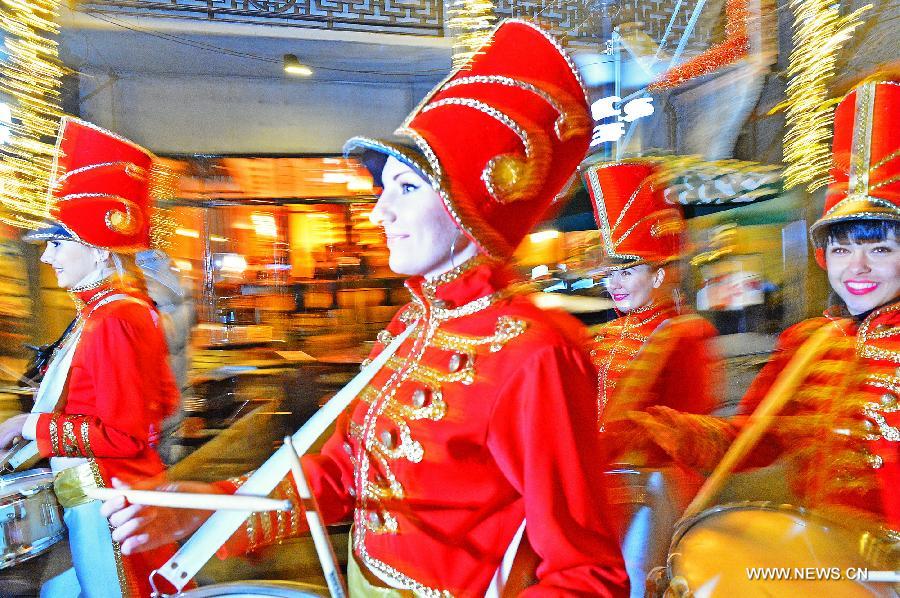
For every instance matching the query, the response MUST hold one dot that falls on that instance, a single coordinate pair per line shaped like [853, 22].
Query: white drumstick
[190, 500]
[316, 528]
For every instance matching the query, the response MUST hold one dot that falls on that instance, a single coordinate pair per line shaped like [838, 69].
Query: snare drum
[30, 516]
[727, 550]
[254, 589]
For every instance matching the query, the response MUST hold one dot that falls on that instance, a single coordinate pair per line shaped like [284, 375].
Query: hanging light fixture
[293, 66]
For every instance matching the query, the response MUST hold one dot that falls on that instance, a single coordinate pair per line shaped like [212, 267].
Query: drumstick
[758, 423]
[316, 528]
[190, 500]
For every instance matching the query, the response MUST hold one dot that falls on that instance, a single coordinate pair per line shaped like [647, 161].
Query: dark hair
[860, 231]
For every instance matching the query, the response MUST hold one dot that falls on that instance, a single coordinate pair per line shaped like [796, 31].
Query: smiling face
[419, 230]
[71, 261]
[632, 288]
[864, 275]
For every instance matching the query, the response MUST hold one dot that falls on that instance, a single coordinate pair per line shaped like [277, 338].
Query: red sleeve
[123, 358]
[771, 447]
[787, 345]
[694, 374]
[542, 435]
[330, 475]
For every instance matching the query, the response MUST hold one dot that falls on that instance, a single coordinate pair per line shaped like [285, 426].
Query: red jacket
[855, 384]
[655, 356]
[483, 417]
[119, 389]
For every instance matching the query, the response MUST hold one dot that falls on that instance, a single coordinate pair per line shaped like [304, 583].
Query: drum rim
[683, 525]
[16, 475]
[880, 534]
[36, 549]
[22, 476]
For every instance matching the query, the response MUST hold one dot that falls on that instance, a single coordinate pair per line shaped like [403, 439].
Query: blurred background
[281, 278]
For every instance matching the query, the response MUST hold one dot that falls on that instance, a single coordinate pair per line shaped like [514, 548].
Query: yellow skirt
[362, 584]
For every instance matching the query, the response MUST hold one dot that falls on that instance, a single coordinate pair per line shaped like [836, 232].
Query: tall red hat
[637, 224]
[501, 137]
[100, 187]
[866, 158]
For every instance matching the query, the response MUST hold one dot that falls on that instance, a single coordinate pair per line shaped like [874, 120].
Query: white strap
[185, 563]
[501, 575]
[49, 395]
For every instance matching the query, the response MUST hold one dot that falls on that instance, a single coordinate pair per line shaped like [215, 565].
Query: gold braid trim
[125, 580]
[506, 329]
[281, 526]
[296, 509]
[70, 442]
[86, 438]
[55, 440]
[251, 532]
[433, 377]
[265, 521]
[885, 381]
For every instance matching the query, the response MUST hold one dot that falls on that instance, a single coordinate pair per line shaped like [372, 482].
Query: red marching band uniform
[485, 415]
[658, 354]
[118, 386]
[841, 425]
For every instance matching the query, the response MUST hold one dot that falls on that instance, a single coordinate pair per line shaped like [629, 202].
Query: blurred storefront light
[264, 224]
[232, 263]
[188, 232]
[544, 235]
[335, 177]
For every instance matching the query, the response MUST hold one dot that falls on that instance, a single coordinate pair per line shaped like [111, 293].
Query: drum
[30, 517]
[254, 589]
[762, 549]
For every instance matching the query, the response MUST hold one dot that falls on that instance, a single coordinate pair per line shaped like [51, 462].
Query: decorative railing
[581, 22]
[590, 22]
[421, 17]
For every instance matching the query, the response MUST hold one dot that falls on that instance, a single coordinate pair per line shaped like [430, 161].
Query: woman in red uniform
[656, 349]
[108, 386]
[656, 353]
[484, 417]
[841, 426]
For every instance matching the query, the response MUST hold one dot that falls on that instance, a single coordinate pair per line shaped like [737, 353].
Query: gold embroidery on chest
[616, 344]
[385, 338]
[434, 377]
[881, 354]
[385, 405]
[506, 329]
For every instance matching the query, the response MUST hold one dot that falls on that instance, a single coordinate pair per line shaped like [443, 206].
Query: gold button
[419, 398]
[456, 361]
[387, 439]
[887, 399]
[868, 425]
